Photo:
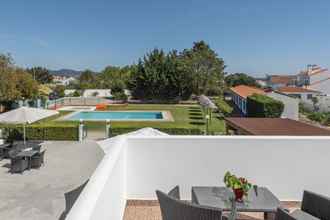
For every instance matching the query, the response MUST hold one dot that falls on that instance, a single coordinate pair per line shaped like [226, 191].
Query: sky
[252, 36]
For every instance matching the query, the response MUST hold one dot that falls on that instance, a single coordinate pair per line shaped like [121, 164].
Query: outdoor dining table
[28, 154]
[259, 200]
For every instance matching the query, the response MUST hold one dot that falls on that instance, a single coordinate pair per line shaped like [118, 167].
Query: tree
[161, 76]
[59, 90]
[76, 94]
[206, 67]
[115, 78]
[40, 74]
[27, 86]
[240, 79]
[87, 80]
[15, 83]
[6, 61]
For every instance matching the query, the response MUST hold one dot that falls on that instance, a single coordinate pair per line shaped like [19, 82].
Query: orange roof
[245, 91]
[295, 90]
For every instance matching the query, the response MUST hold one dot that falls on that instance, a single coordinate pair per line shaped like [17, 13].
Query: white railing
[135, 168]
[76, 101]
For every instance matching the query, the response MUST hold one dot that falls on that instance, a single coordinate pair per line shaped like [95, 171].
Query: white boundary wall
[291, 105]
[135, 168]
[104, 197]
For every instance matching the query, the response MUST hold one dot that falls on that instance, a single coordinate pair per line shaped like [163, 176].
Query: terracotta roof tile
[245, 91]
[276, 79]
[295, 90]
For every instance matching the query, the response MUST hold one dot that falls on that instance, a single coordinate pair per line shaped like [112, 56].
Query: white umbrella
[108, 143]
[25, 115]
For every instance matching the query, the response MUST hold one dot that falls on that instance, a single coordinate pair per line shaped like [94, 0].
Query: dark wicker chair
[175, 209]
[13, 152]
[281, 214]
[316, 205]
[38, 160]
[175, 192]
[18, 165]
[36, 147]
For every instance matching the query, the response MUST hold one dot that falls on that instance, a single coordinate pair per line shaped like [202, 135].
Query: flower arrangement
[239, 185]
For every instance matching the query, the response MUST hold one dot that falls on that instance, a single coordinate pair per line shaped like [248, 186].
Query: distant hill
[66, 72]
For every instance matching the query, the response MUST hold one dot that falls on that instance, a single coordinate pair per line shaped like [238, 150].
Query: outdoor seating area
[48, 192]
[214, 203]
[23, 156]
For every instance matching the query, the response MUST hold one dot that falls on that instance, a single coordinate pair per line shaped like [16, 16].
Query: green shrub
[223, 107]
[316, 116]
[120, 96]
[323, 118]
[327, 120]
[264, 107]
[42, 132]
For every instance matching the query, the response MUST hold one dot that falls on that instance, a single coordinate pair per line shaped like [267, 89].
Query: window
[309, 96]
[244, 106]
[295, 96]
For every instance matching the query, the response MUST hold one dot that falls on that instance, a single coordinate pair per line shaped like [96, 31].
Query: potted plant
[239, 185]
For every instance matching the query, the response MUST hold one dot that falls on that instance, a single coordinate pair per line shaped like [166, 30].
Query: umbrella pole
[24, 135]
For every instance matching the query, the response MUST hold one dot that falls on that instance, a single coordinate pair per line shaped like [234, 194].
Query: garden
[187, 120]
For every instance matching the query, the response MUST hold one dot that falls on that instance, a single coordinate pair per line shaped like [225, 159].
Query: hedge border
[42, 132]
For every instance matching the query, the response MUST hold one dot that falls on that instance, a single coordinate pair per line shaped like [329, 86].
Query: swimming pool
[115, 115]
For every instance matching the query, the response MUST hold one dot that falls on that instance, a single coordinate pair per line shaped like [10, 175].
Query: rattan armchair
[175, 209]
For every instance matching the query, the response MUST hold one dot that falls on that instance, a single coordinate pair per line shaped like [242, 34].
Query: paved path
[39, 194]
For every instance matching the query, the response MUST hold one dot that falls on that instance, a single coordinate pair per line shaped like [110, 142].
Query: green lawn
[185, 116]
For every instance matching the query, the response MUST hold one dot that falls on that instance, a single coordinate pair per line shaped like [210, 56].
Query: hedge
[42, 132]
[264, 107]
[172, 131]
[323, 118]
[223, 107]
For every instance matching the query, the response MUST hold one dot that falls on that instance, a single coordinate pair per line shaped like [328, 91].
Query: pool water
[116, 115]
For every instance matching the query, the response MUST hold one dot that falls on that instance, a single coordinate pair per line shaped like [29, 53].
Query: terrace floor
[40, 194]
[149, 210]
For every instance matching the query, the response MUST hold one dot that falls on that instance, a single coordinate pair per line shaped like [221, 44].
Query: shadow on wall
[70, 199]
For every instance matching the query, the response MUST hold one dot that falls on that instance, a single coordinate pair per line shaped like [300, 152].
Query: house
[63, 80]
[100, 93]
[303, 94]
[272, 126]
[240, 94]
[276, 81]
[315, 78]
[69, 92]
[261, 82]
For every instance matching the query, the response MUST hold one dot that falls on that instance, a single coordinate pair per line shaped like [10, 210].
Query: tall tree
[15, 83]
[206, 67]
[87, 80]
[42, 75]
[27, 86]
[240, 79]
[161, 76]
[6, 61]
[115, 78]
